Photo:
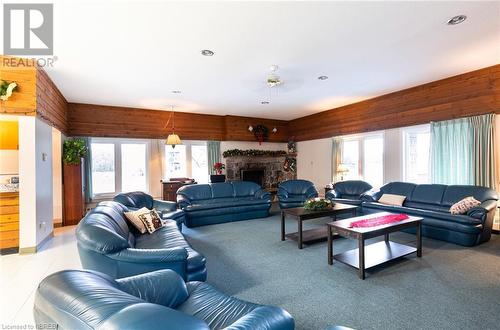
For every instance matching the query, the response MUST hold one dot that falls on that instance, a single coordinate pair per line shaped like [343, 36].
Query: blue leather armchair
[213, 203]
[293, 193]
[433, 202]
[137, 199]
[348, 192]
[106, 243]
[80, 299]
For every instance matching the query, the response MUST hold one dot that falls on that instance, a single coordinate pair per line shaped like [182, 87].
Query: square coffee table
[312, 235]
[375, 254]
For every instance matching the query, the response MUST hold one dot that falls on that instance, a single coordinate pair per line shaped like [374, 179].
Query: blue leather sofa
[137, 199]
[82, 299]
[348, 192]
[107, 243]
[293, 193]
[212, 203]
[433, 201]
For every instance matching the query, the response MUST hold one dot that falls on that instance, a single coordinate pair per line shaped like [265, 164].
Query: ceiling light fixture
[323, 77]
[173, 139]
[264, 102]
[456, 20]
[207, 52]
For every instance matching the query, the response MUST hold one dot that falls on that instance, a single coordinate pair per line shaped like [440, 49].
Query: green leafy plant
[73, 151]
[6, 89]
[253, 153]
[318, 204]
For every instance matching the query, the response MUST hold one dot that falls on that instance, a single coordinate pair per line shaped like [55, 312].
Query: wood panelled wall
[23, 72]
[51, 105]
[109, 121]
[473, 93]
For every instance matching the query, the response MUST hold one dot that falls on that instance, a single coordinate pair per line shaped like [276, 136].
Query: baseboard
[57, 224]
[34, 249]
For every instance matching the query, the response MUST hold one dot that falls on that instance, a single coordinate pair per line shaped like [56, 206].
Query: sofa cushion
[390, 199]
[169, 236]
[245, 188]
[151, 221]
[196, 192]
[454, 194]
[135, 199]
[225, 203]
[424, 206]
[296, 187]
[222, 190]
[226, 209]
[428, 194]
[398, 188]
[133, 218]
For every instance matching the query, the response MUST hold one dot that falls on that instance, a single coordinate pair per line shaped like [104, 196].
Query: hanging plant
[73, 151]
[6, 89]
[261, 133]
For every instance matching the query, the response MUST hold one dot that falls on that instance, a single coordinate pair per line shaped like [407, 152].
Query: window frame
[118, 163]
[426, 128]
[189, 158]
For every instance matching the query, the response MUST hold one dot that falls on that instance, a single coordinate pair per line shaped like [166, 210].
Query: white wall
[57, 176]
[393, 155]
[9, 162]
[35, 181]
[314, 162]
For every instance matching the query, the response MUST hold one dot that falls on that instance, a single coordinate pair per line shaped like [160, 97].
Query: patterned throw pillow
[464, 205]
[151, 221]
[133, 217]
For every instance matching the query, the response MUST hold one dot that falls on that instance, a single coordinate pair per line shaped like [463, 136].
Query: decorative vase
[214, 178]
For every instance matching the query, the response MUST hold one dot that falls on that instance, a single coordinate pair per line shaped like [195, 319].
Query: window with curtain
[416, 154]
[187, 160]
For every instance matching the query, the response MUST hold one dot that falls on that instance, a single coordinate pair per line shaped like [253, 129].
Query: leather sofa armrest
[282, 193]
[371, 196]
[161, 206]
[164, 287]
[152, 317]
[262, 194]
[480, 211]
[143, 256]
[332, 194]
[311, 192]
[183, 201]
[264, 318]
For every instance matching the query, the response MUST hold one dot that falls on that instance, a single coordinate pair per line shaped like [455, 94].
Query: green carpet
[450, 287]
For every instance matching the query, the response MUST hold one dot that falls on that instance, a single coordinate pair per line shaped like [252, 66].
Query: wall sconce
[275, 129]
[250, 128]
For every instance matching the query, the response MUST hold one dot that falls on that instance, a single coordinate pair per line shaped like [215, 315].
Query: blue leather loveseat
[212, 203]
[293, 193]
[348, 192]
[433, 202]
[137, 199]
[106, 243]
[81, 299]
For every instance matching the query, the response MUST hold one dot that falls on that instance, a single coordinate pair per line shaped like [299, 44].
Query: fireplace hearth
[255, 175]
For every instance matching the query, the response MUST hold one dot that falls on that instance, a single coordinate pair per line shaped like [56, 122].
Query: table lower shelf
[310, 235]
[375, 254]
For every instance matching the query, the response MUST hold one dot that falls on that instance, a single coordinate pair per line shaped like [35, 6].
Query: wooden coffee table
[365, 257]
[312, 235]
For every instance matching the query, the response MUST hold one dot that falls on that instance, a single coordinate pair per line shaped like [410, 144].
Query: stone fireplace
[249, 168]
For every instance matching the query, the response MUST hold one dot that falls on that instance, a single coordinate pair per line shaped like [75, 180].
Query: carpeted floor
[451, 287]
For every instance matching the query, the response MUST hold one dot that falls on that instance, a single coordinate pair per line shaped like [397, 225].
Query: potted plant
[218, 176]
[73, 180]
[73, 151]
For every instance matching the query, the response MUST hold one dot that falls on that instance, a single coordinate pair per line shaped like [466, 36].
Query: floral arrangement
[318, 204]
[73, 151]
[254, 153]
[218, 167]
[6, 89]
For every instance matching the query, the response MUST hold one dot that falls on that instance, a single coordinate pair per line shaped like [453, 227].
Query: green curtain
[462, 151]
[483, 137]
[88, 172]
[336, 156]
[213, 155]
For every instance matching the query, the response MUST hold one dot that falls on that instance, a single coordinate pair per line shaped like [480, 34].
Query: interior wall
[314, 162]
[57, 206]
[44, 176]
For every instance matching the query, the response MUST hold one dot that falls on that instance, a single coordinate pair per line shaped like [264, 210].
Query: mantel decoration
[290, 164]
[253, 153]
[73, 151]
[6, 89]
[292, 147]
[318, 204]
[261, 133]
[218, 167]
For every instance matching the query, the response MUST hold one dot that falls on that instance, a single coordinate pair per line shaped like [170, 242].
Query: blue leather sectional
[212, 203]
[293, 193]
[82, 299]
[432, 202]
[107, 244]
[137, 199]
[348, 192]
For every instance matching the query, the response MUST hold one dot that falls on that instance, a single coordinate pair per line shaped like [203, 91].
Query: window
[118, 165]
[416, 154]
[364, 158]
[187, 160]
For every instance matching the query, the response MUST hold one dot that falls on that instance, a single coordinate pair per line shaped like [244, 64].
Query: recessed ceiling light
[176, 92]
[207, 52]
[456, 20]
[264, 102]
[323, 77]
